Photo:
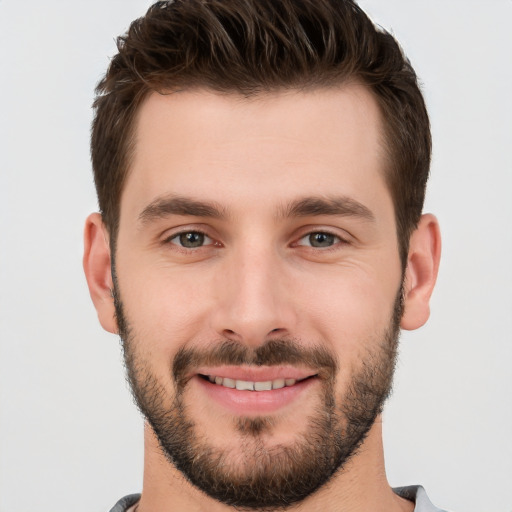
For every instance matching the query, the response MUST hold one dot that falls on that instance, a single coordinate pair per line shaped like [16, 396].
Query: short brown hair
[255, 46]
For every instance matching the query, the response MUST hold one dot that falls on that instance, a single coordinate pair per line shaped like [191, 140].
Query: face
[257, 285]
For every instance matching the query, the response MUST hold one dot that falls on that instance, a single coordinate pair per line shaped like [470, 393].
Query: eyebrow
[176, 205]
[316, 206]
[305, 207]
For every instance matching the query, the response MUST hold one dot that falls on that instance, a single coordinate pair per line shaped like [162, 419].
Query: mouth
[250, 385]
[253, 391]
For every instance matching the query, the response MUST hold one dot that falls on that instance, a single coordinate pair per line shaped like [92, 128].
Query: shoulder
[418, 495]
[125, 503]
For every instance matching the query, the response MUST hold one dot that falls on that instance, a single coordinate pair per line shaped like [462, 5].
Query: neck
[360, 486]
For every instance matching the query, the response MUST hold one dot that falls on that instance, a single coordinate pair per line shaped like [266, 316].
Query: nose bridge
[254, 300]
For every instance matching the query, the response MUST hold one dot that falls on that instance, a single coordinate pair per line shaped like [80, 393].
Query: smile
[245, 385]
[252, 390]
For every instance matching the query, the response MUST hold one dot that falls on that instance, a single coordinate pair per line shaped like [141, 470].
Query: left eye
[319, 240]
[191, 239]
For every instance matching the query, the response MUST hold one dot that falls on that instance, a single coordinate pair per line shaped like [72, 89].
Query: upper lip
[257, 373]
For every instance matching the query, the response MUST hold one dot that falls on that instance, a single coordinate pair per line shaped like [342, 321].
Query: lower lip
[254, 402]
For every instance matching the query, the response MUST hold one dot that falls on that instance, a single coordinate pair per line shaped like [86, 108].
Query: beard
[251, 475]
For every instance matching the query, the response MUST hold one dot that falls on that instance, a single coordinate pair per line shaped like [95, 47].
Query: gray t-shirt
[414, 493]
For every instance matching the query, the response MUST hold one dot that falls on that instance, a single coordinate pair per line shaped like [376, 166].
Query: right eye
[190, 239]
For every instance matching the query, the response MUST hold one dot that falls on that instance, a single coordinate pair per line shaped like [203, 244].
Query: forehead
[273, 147]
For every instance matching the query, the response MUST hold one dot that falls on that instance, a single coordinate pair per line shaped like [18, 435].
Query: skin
[257, 276]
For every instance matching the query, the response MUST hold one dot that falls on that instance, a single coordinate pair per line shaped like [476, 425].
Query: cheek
[353, 323]
[164, 308]
[351, 309]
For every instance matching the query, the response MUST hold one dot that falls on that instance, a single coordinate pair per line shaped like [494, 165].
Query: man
[261, 170]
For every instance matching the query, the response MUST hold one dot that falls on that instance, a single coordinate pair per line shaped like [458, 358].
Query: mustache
[271, 353]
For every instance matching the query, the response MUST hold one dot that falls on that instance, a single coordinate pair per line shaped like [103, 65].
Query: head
[261, 187]
[230, 48]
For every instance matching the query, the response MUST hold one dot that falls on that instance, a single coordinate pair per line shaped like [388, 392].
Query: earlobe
[97, 268]
[421, 272]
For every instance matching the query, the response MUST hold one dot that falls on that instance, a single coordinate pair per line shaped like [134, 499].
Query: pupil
[321, 239]
[192, 239]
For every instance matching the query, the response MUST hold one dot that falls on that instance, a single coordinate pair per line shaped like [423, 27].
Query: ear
[421, 272]
[98, 271]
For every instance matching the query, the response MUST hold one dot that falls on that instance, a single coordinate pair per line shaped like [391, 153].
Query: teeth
[229, 383]
[244, 385]
[278, 384]
[263, 386]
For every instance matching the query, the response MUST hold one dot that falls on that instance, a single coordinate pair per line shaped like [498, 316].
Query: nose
[254, 297]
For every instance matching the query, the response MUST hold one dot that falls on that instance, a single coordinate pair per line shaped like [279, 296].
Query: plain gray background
[70, 438]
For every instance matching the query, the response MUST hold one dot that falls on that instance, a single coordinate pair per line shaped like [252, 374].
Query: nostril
[230, 334]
